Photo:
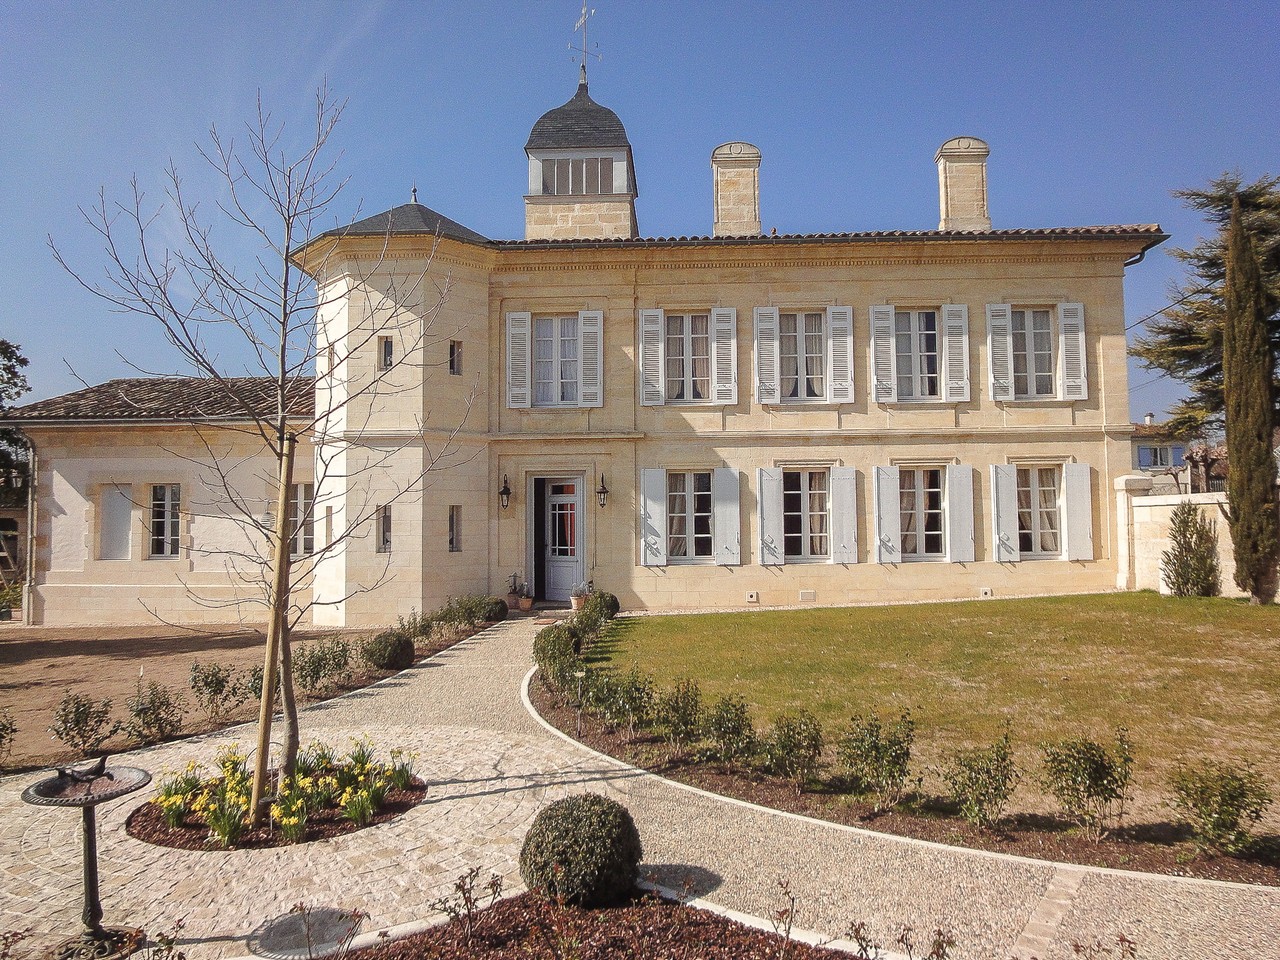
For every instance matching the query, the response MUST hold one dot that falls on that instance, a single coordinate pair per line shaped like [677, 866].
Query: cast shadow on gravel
[682, 879]
[438, 790]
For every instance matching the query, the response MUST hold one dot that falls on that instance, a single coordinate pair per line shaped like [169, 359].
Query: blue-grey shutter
[1077, 501]
[840, 353]
[884, 375]
[766, 355]
[960, 513]
[1004, 513]
[652, 367]
[590, 358]
[1000, 351]
[888, 515]
[727, 519]
[653, 518]
[769, 516]
[955, 351]
[724, 354]
[844, 515]
[1075, 379]
[1144, 458]
[519, 360]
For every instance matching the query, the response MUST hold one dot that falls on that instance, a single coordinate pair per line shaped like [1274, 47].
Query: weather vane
[584, 50]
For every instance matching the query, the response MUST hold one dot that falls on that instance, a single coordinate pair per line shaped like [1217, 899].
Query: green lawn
[1187, 677]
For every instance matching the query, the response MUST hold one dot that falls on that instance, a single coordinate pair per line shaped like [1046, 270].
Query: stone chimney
[1149, 419]
[962, 184]
[735, 171]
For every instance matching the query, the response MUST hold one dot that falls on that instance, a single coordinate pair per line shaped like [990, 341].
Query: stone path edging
[863, 831]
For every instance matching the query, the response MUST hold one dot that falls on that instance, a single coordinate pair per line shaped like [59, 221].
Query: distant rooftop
[177, 399]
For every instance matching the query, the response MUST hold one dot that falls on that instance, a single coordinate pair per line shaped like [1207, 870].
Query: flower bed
[329, 795]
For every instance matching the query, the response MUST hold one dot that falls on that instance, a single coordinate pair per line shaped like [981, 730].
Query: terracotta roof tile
[181, 399]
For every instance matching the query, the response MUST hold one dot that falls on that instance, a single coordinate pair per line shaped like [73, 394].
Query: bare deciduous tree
[231, 291]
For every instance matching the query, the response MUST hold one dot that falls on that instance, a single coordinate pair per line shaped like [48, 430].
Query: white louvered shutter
[724, 354]
[888, 515]
[519, 360]
[1000, 351]
[884, 375]
[591, 358]
[727, 519]
[766, 354]
[1004, 513]
[844, 515]
[652, 347]
[840, 353]
[653, 518]
[1075, 379]
[1077, 501]
[960, 513]
[955, 351]
[769, 516]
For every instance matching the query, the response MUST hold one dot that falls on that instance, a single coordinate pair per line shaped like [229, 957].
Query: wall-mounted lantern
[602, 492]
[504, 494]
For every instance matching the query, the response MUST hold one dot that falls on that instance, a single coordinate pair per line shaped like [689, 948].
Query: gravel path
[492, 766]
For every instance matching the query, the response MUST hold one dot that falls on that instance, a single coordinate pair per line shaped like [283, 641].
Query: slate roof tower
[582, 183]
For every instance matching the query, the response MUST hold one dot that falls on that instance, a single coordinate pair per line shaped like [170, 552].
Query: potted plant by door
[524, 598]
[513, 593]
[578, 595]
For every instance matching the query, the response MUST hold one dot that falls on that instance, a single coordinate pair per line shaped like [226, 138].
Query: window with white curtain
[915, 339]
[1039, 518]
[802, 355]
[555, 361]
[806, 506]
[688, 357]
[1034, 361]
[689, 515]
[921, 517]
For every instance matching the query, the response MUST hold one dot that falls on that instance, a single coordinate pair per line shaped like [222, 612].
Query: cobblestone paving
[492, 766]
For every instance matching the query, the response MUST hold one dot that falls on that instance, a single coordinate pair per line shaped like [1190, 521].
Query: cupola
[581, 180]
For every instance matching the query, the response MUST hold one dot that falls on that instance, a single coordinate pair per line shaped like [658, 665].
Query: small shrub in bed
[155, 712]
[679, 713]
[982, 780]
[584, 850]
[83, 724]
[603, 603]
[878, 757]
[8, 730]
[554, 650]
[635, 698]
[389, 650]
[1089, 781]
[495, 611]
[1220, 802]
[728, 728]
[216, 689]
[322, 664]
[794, 749]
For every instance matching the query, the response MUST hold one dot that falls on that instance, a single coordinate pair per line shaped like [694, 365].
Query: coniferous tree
[1247, 369]
[1190, 565]
[1186, 340]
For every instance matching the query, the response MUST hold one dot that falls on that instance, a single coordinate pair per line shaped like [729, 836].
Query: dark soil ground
[1160, 847]
[40, 664]
[528, 927]
[147, 824]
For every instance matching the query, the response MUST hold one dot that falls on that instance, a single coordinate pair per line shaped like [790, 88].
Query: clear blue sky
[1094, 112]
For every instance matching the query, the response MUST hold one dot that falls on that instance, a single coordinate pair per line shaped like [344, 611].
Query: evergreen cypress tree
[1247, 365]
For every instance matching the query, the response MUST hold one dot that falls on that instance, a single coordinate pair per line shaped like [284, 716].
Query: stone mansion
[731, 420]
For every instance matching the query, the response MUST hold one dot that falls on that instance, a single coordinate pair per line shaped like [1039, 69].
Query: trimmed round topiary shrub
[584, 850]
[389, 650]
[603, 604]
[494, 610]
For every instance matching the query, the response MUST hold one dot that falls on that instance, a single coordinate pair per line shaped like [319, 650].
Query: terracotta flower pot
[526, 604]
[577, 602]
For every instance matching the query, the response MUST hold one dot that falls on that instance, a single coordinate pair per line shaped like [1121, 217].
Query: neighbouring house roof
[165, 399]
[579, 124]
[1155, 432]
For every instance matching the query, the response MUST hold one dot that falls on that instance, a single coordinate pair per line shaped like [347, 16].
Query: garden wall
[1150, 538]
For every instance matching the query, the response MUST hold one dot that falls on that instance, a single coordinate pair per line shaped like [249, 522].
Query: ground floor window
[302, 541]
[1039, 526]
[689, 515]
[805, 514]
[920, 502]
[166, 499]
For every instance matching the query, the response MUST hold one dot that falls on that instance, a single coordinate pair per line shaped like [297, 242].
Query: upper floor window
[804, 355]
[915, 338]
[386, 353]
[688, 356]
[382, 529]
[1037, 353]
[920, 353]
[166, 501]
[578, 176]
[455, 357]
[1160, 457]
[455, 528]
[555, 361]
[1034, 362]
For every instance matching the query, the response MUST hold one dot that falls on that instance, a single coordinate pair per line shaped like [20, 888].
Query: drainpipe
[28, 611]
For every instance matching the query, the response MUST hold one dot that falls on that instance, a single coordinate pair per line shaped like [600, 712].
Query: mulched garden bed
[1149, 847]
[147, 824]
[528, 927]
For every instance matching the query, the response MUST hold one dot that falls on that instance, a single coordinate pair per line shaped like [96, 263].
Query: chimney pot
[962, 184]
[735, 172]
